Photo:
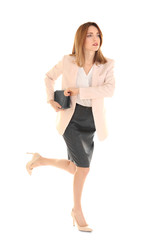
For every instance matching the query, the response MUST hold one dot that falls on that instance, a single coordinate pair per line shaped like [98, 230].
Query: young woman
[87, 77]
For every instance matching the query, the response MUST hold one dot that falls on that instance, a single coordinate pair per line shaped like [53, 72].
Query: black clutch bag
[63, 100]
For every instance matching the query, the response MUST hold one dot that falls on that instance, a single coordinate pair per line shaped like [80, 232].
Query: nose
[95, 38]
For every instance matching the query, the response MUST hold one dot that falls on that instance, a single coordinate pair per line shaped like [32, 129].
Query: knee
[84, 171]
[72, 167]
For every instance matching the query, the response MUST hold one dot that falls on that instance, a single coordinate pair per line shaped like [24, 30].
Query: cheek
[87, 42]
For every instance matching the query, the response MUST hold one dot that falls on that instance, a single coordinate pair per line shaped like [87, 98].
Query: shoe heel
[73, 219]
[84, 229]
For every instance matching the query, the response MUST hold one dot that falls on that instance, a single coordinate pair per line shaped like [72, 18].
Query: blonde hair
[79, 40]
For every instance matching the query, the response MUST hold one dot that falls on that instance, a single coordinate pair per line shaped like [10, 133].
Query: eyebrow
[92, 32]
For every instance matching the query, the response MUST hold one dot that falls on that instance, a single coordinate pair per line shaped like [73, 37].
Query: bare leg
[80, 175]
[79, 180]
[59, 163]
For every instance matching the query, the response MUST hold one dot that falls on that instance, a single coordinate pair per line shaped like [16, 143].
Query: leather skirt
[79, 136]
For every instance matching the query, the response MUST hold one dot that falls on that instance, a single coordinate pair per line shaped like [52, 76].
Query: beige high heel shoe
[35, 157]
[84, 229]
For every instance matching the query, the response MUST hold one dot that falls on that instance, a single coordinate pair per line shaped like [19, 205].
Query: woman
[87, 77]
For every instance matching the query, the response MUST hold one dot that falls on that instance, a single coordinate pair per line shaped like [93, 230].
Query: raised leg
[59, 163]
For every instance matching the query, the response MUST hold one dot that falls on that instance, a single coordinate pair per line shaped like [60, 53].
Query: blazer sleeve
[105, 90]
[50, 78]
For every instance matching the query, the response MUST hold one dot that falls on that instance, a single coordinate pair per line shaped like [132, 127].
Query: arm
[50, 78]
[105, 90]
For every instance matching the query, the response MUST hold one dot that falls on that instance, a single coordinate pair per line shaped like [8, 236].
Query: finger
[65, 93]
[58, 109]
[68, 93]
[59, 106]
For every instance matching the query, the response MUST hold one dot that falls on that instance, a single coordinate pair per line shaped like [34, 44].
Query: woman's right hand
[57, 107]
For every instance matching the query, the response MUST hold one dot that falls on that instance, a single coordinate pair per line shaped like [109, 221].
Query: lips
[95, 44]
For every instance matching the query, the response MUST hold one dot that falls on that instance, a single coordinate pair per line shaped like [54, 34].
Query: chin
[95, 48]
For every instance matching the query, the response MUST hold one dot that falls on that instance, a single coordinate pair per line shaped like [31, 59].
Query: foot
[35, 162]
[80, 218]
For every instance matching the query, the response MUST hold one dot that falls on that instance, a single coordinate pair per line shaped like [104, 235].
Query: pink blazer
[103, 85]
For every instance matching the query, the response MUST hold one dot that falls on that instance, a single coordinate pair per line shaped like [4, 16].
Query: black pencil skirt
[79, 136]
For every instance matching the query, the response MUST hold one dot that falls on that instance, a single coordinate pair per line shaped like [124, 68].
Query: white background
[34, 37]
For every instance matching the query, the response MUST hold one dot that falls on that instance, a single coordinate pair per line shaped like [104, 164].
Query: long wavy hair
[79, 40]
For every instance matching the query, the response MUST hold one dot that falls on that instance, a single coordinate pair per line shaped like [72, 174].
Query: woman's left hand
[71, 91]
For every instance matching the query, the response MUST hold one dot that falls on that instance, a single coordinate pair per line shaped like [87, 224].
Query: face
[92, 40]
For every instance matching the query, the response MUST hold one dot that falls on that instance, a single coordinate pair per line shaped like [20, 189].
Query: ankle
[77, 210]
[36, 163]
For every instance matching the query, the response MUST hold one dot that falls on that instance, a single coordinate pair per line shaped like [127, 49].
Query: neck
[89, 56]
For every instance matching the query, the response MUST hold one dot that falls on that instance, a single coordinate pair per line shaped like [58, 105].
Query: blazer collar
[98, 64]
[95, 73]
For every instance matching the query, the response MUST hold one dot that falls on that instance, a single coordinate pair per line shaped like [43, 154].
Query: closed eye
[90, 35]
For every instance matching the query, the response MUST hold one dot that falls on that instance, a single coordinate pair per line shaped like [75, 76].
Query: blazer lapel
[73, 74]
[95, 74]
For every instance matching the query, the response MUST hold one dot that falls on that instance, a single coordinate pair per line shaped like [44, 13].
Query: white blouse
[83, 80]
